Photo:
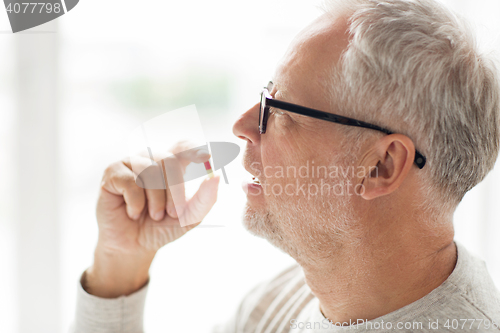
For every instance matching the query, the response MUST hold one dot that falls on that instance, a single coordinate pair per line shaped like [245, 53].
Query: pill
[208, 167]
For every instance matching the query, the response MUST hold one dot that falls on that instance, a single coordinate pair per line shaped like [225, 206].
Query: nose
[247, 125]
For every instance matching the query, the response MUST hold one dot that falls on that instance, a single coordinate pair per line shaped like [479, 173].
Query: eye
[276, 111]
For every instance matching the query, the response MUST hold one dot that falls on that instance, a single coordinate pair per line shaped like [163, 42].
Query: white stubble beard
[304, 228]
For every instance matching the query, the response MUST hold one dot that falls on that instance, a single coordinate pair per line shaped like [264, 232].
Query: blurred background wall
[70, 92]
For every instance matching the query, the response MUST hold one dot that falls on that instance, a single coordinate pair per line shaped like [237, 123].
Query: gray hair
[413, 66]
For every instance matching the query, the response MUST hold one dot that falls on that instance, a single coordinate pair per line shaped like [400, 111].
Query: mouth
[252, 188]
[256, 181]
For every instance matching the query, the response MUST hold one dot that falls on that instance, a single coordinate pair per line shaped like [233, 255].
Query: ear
[386, 165]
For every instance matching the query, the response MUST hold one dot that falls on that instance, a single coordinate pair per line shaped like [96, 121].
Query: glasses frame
[267, 101]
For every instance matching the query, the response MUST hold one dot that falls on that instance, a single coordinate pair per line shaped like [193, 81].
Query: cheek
[284, 165]
[286, 142]
[287, 152]
[293, 149]
[280, 151]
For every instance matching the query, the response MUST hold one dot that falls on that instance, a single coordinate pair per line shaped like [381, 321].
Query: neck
[379, 271]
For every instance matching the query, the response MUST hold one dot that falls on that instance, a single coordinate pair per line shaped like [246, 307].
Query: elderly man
[396, 116]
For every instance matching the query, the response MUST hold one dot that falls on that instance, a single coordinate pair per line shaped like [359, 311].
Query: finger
[187, 152]
[184, 151]
[201, 203]
[118, 179]
[184, 154]
[176, 196]
[176, 200]
[181, 146]
[137, 163]
[175, 168]
[194, 155]
[156, 204]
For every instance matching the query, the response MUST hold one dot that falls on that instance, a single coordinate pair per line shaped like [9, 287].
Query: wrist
[116, 274]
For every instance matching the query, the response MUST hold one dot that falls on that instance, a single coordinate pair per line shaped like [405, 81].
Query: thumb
[201, 202]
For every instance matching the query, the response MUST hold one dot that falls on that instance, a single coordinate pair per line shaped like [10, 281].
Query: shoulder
[469, 292]
[475, 288]
[271, 301]
[282, 285]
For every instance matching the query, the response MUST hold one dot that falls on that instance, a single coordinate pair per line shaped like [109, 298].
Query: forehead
[303, 72]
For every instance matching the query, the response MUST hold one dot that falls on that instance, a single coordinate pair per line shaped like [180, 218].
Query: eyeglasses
[267, 101]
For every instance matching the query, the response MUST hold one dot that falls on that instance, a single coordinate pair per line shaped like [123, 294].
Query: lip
[254, 192]
[251, 189]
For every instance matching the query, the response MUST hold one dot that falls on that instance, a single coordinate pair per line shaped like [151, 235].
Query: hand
[134, 223]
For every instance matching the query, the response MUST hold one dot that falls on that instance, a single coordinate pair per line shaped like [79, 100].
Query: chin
[301, 229]
[263, 225]
[256, 222]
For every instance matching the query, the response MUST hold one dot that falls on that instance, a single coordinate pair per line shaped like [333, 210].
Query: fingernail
[172, 212]
[202, 152]
[159, 216]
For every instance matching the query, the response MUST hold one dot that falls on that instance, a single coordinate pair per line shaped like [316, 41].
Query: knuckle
[129, 183]
[111, 170]
[182, 145]
[108, 171]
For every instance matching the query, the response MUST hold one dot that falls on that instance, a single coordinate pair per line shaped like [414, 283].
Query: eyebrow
[282, 89]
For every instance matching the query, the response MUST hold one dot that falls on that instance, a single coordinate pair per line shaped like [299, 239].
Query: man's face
[296, 159]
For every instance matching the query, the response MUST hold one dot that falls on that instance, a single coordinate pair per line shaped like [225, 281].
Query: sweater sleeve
[114, 315]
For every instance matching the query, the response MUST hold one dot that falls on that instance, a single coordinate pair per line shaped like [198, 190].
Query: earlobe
[386, 166]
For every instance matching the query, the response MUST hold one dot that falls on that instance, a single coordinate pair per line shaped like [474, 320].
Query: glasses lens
[270, 86]
[262, 113]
